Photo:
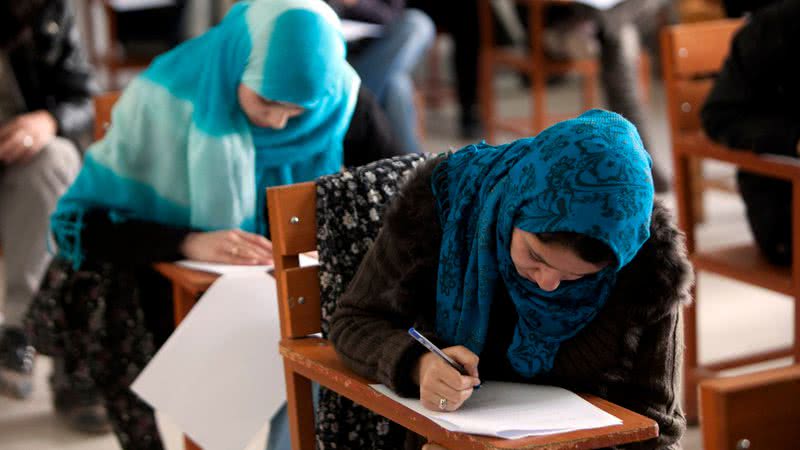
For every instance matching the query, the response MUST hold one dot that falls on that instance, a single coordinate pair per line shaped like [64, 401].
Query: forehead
[557, 256]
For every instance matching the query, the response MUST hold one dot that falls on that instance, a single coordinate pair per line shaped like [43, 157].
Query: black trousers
[768, 202]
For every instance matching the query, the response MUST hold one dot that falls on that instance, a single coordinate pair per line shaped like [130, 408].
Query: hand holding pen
[447, 377]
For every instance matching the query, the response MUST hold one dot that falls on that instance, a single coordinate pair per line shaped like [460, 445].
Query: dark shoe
[16, 364]
[78, 402]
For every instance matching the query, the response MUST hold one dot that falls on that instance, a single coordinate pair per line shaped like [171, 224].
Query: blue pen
[436, 350]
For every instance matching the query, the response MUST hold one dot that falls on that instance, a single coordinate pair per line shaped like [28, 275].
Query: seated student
[544, 260]
[45, 122]
[386, 63]
[753, 106]
[265, 98]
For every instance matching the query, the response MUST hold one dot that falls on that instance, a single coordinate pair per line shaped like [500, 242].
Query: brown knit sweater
[629, 354]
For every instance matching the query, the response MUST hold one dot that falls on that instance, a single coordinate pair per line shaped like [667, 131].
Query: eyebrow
[539, 257]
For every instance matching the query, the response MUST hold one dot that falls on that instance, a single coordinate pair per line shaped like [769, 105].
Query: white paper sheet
[223, 269]
[512, 411]
[135, 5]
[600, 4]
[353, 30]
[219, 377]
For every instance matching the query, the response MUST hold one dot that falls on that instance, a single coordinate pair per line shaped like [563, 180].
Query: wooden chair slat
[303, 301]
[759, 407]
[701, 48]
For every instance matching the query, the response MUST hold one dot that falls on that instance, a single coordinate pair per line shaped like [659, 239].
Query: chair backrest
[758, 411]
[692, 55]
[340, 216]
[103, 104]
[293, 228]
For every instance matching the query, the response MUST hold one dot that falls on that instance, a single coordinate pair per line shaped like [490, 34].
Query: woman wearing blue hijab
[545, 260]
[265, 98]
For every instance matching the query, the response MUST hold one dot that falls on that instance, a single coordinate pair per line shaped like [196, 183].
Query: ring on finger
[27, 141]
[442, 403]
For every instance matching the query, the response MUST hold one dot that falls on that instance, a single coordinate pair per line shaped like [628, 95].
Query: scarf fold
[181, 151]
[589, 175]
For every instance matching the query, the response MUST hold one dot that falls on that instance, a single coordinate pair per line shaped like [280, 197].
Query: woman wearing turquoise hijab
[545, 260]
[265, 98]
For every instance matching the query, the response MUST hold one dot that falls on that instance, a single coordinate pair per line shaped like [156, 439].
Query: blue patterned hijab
[589, 175]
[180, 150]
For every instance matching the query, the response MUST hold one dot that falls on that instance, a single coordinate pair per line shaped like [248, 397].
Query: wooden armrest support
[316, 359]
[776, 166]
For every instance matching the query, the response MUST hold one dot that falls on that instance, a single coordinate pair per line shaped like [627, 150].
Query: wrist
[187, 242]
[416, 372]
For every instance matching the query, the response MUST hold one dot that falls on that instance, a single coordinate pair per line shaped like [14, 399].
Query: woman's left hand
[228, 246]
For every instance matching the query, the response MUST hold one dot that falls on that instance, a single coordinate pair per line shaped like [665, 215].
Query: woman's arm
[394, 289]
[134, 242]
[141, 242]
[655, 384]
[71, 83]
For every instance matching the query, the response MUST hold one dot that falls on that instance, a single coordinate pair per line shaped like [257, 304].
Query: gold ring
[442, 403]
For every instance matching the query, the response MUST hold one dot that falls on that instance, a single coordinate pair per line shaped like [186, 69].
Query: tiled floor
[733, 317]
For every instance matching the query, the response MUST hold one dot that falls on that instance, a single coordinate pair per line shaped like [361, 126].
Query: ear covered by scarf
[589, 175]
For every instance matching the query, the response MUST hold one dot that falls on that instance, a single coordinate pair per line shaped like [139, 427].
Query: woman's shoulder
[413, 209]
[658, 278]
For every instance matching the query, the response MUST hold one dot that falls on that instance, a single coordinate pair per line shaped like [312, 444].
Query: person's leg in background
[620, 53]
[28, 195]
[768, 206]
[386, 65]
[466, 46]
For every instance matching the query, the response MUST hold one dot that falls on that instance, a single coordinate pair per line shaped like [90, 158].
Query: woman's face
[266, 113]
[547, 265]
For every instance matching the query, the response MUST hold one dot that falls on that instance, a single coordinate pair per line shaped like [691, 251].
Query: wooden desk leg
[189, 444]
[182, 302]
[300, 407]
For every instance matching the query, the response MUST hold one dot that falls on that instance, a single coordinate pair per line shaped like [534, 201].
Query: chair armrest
[700, 146]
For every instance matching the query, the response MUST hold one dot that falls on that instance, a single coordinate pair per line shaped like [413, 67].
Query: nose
[280, 120]
[547, 279]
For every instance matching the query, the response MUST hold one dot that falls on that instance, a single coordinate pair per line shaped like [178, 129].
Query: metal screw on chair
[301, 300]
[294, 220]
[743, 444]
[686, 107]
[683, 53]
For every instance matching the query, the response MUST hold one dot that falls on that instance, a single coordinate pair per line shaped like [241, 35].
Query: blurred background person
[46, 120]
[386, 63]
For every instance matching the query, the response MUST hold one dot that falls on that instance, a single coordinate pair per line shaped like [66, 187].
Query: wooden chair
[538, 66]
[691, 53]
[759, 411]
[292, 218]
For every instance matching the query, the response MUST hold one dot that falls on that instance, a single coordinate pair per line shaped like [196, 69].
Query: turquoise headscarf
[180, 150]
[589, 175]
